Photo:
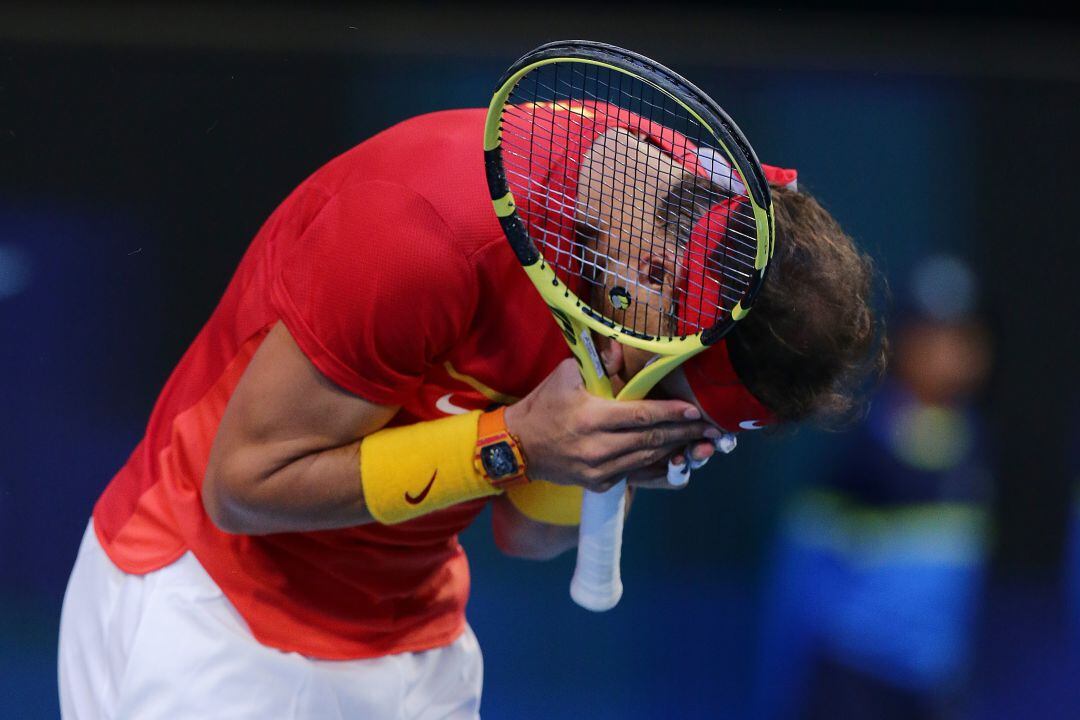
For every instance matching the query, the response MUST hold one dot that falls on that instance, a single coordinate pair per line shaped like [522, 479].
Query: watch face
[499, 460]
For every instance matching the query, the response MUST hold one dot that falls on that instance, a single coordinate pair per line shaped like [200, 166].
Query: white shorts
[168, 644]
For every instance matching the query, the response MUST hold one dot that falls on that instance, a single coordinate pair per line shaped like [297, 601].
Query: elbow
[511, 546]
[524, 552]
[224, 503]
[515, 548]
[527, 540]
[225, 518]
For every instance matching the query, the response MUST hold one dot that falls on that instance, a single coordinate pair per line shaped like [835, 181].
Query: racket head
[635, 204]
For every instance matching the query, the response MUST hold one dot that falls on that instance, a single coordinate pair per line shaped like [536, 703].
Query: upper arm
[282, 399]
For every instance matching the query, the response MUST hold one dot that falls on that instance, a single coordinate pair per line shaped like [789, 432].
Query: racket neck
[646, 379]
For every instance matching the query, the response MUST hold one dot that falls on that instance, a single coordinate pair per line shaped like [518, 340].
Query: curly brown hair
[813, 340]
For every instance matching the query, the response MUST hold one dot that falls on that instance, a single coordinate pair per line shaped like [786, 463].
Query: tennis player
[283, 541]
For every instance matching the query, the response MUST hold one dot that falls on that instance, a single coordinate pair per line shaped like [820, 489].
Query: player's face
[620, 182]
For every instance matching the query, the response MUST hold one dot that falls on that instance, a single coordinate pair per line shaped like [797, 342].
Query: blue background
[140, 152]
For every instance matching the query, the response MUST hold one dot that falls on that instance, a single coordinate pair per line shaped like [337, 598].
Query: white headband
[720, 172]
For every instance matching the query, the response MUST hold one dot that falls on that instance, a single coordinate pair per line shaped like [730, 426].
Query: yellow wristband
[416, 469]
[547, 502]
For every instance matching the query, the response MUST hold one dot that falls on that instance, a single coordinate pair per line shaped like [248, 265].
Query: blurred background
[924, 565]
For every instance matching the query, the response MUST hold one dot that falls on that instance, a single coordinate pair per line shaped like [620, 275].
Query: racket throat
[585, 336]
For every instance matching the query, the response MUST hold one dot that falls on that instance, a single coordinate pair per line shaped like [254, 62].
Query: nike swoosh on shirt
[423, 493]
[750, 425]
[445, 405]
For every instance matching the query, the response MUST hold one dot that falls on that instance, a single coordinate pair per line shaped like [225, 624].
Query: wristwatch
[498, 457]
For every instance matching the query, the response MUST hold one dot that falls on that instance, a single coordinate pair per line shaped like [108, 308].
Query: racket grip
[597, 584]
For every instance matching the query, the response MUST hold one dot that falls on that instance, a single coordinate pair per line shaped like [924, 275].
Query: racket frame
[596, 583]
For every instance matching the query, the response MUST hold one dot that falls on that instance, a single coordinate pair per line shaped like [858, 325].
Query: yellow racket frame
[575, 316]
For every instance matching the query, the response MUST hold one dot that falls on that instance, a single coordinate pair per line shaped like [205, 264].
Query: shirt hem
[356, 652]
[126, 565]
[436, 641]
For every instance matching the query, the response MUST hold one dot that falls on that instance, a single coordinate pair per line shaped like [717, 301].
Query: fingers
[575, 438]
[639, 414]
[726, 443]
[643, 462]
[653, 477]
[664, 439]
[693, 457]
[630, 451]
[699, 454]
[675, 474]
[678, 474]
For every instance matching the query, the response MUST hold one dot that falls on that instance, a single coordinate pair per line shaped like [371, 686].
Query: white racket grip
[597, 584]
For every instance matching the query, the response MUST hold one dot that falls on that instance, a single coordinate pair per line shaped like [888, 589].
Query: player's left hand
[674, 473]
[680, 466]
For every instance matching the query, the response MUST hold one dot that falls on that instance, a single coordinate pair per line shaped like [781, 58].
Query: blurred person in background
[869, 612]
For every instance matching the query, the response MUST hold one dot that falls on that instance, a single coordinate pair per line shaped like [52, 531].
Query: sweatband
[720, 393]
[413, 470]
[547, 502]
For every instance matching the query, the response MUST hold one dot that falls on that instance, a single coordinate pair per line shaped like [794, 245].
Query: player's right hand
[572, 437]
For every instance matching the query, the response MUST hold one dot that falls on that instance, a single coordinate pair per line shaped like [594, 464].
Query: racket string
[640, 244]
[746, 219]
[551, 239]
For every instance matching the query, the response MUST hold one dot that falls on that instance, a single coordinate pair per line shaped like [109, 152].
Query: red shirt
[390, 271]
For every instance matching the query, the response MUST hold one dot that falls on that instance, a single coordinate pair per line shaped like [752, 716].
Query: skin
[620, 165]
[285, 457]
[620, 177]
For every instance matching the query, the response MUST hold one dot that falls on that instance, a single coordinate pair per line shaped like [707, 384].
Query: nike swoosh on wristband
[423, 493]
[444, 404]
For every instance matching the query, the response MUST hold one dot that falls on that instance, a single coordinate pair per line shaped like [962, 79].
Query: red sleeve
[374, 290]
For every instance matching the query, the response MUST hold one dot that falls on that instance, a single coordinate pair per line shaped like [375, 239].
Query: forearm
[316, 490]
[388, 476]
[293, 451]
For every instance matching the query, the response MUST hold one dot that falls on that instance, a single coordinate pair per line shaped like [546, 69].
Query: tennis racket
[640, 212]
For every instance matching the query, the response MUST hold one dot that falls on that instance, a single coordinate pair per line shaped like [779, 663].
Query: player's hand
[673, 473]
[572, 437]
